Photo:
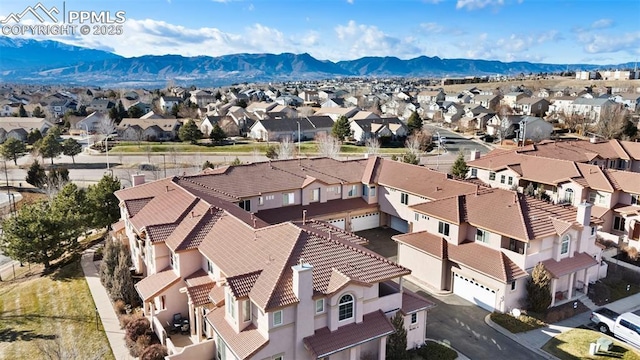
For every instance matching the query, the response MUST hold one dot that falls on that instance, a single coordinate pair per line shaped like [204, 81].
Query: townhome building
[485, 256]
[593, 109]
[613, 193]
[250, 290]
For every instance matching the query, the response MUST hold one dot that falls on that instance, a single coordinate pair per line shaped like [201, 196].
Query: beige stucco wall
[425, 268]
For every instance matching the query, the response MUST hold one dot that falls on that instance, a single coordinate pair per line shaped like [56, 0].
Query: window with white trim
[210, 267]
[634, 199]
[231, 305]
[443, 228]
[270, 197]
[513, 285]
[482, 235]
[510, 180]
[372, 190]
[414, 318]
[353, 191]
[288, 198]
[564, 245]
[618, 223]
[345, 307]
[246, 310]
[260, 200]
[221, 349]
[503, 179]
[474, 172]
[277, 318]
[404, 198]
[319, 306]
[315, 195]
[492, 175]
[417, 216]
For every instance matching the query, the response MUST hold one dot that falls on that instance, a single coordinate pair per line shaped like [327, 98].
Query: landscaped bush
[434, 351]
[516, 325]
[126, 319]
[138, 335]
[154, 352]
[119, 306]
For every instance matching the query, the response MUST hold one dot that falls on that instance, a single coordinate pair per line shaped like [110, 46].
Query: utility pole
[6, 176]
[299, 152]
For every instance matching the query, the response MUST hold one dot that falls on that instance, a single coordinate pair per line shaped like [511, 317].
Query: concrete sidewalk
[535, 339]
[110, 322]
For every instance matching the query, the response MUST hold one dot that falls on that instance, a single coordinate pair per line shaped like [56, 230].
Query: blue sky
[551, 31]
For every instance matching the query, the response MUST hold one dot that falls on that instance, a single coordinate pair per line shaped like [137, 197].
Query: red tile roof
[329, 231]
[325, 343]
[512, 214]
[485, 260]
[199, 277]
[419, 180]
[241, 285]
[626, 181]
[568, 265]
[199, 294]
[577, 150]
[153, 284]
[135, 205]
[412, 302]
[243, 344]
[424, 241]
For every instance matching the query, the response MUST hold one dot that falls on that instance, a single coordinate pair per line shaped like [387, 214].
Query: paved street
[454, 319]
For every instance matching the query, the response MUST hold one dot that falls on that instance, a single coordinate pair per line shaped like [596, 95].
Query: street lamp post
[299, 152]
[438, 156]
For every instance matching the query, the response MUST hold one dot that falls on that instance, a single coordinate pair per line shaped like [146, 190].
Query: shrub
[119, 306]
[126, 319]
[138, 335]
[434, 351]
[154, 352]
[632, 253]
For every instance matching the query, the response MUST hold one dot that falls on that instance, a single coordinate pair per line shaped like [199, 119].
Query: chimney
[304, 216]
[593, 139]
[583, 216]
[475, 155]
[303, 289]
[137, 179]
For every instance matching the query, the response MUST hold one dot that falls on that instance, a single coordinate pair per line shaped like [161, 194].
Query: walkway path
[110, 322]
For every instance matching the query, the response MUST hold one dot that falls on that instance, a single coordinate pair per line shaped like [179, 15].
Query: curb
[519, 339]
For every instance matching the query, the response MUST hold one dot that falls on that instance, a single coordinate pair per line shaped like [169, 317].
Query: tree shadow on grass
[11, 335]
[25, 319]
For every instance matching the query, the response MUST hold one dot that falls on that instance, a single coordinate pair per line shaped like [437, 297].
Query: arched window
[345, 308]
[568, 196]
[564, 245]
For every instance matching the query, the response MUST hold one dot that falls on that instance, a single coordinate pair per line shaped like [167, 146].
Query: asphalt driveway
[454, 319]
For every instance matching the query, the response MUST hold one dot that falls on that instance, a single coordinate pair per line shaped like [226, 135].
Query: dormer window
[564, 245]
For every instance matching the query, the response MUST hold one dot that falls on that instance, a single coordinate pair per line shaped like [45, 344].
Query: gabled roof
[307, 123]
[418, 180]
[512, 214]
[244, 343]
[576, 150]
[152, 285]
[568, 265]
[324, 342]
[626, 181]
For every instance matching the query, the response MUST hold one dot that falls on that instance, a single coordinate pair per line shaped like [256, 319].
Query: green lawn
[574, 345]
[307, 147]
[50, 314]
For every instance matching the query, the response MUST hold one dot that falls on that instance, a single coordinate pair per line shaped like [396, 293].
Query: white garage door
[399, 225]
[365, 222]
[339, 223]
[478, 294]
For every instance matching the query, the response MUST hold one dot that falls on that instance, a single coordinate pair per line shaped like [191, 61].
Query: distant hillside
[31, 61]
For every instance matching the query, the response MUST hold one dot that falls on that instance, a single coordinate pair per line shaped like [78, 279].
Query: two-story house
[299, 290]
[485, 256]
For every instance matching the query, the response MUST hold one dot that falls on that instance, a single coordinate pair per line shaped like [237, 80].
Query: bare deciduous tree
[328, 146]
[413, 145]
[373, 146]
[612, 121]
[285, 149]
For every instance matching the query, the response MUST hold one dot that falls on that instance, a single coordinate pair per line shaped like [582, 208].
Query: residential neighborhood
[315, 254]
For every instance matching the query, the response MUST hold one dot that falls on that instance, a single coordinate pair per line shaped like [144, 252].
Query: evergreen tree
[190, 132]
[13, 149]
[122, 282]
[538, 289]
[175, 110]
[410, 158]
[110, 257]
[134, 112]
[102, 201]
[37, 112]
[57, 178]
[397, 342]
[71, 147]
[341, 129]
[217, 134]
[33, 136]
[460, 168]
[36, 175]
[22, 112]
[207, 165]
[236, 162]
[218, 95]
[414, 123]
[271, 152]
[122, 113]
[50, 147]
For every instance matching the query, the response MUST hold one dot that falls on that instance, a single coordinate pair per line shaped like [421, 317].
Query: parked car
[624, 326]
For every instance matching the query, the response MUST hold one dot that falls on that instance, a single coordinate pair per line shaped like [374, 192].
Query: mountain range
[52, 62]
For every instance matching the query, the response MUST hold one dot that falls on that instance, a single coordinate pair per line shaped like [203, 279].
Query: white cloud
[350, 1]
[477, 4]
[251, 7]
[360, 40]
[602, 24]
[606, 43]
[432, 27]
